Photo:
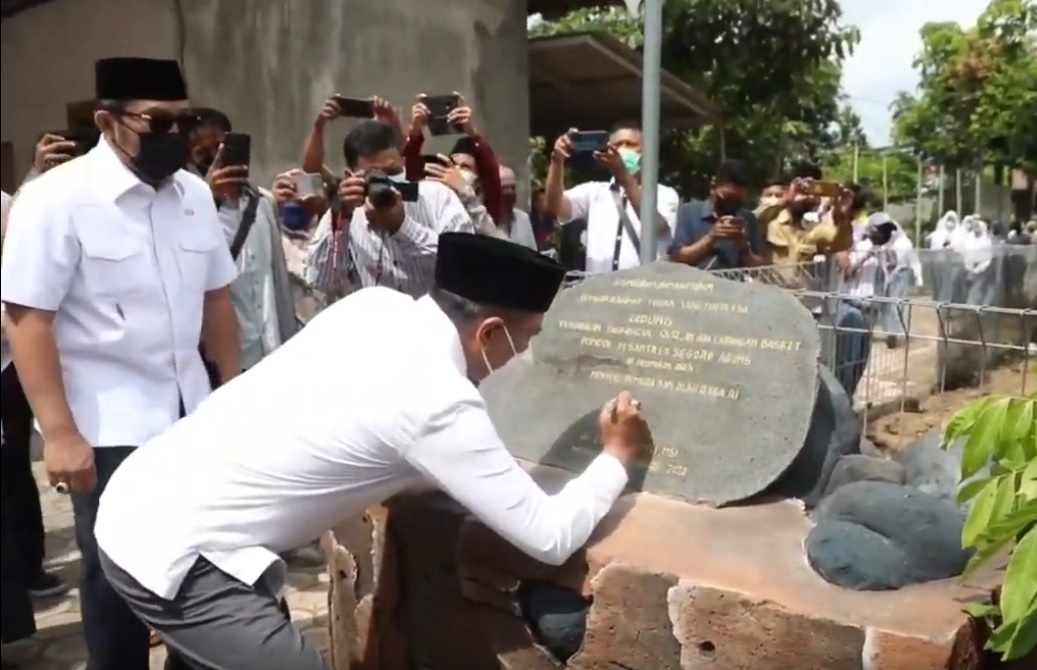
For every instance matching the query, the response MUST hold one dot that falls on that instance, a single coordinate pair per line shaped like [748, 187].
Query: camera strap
[248, 217]
[625, 226]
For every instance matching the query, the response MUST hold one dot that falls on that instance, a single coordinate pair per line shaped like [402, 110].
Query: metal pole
[941, 195]
[885, 182]
[979, 191]
[919, 191]
[856, 163]
[957, 193]
[651, 68]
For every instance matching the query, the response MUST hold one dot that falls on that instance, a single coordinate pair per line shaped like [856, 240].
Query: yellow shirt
[790, 244]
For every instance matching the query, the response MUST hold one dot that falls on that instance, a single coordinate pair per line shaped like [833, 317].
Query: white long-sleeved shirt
[281, 468]
[404, 261]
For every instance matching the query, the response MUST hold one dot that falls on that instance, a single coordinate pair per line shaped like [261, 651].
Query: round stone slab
[727, 373]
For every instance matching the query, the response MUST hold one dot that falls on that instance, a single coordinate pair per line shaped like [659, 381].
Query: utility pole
[919, 190]
[957, 192]
[885, 181]
[940, 196]
[651, 73]
[856, 163]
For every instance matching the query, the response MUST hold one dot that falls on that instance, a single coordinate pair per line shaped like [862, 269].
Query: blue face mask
[631, 160]
[295, 217]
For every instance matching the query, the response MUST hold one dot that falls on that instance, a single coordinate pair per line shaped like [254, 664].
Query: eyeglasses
[162, 123]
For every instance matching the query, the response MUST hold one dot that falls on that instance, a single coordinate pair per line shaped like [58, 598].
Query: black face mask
[203, 166]
[160, 156]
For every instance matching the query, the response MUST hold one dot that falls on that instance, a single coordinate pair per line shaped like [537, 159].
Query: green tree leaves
[774, 68]
[977, 92]
[1001, 435]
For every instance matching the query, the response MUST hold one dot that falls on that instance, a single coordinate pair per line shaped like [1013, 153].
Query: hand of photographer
[226, 181]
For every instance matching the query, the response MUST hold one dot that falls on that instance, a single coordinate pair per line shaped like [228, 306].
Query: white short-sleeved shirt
[386, 405]
[5, 350]
[594, 203]
[126, 268]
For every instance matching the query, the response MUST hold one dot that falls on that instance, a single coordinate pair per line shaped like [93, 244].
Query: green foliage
[901, 179]
[978, 91]
[773, 68]
[1001, 439]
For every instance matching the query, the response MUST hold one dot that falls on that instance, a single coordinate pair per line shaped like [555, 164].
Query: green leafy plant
[999, 475]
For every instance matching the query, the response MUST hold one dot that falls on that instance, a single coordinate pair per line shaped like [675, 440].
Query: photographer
[378, 235]
[472, 154]
[313, 147]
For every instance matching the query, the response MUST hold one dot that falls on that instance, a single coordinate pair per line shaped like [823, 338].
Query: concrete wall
[270, 63]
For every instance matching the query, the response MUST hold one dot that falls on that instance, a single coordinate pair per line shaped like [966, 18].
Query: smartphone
[308, 185]
[237, 149]
[85, 139]
[434, 159]
[354, 108]
[825, 189]
[722, 208]
[408, 190]
[439, 108]
[589, 141]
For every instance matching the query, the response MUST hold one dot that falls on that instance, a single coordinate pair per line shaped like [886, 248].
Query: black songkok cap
[497, 273]
[139, 79]
[465, 145]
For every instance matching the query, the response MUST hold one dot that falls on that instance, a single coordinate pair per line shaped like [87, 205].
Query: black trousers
[21, 516]
[17, 484]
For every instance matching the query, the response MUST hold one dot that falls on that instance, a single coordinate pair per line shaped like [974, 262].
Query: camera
[382, 191]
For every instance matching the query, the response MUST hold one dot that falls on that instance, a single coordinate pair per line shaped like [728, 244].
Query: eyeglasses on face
[161, 123]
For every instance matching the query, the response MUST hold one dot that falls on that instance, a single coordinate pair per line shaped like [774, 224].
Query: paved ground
[59, 643]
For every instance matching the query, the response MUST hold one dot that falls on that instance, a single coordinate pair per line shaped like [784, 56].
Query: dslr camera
[382, 191]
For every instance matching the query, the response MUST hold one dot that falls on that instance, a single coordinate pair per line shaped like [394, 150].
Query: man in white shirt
[115, 266]
[359, 244]
[200, 564]
[516, 223]
[612, 242]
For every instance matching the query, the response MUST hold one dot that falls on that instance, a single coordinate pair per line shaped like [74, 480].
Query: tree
[774, 69]
[978, 91]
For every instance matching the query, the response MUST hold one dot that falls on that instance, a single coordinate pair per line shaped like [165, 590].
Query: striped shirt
[358, 257]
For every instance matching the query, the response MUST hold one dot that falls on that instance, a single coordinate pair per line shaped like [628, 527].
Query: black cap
[139, 79]
[496, 272]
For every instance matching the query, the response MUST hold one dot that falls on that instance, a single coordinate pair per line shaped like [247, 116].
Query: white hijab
[905, 252]
[944, 227]
[977, 246]
[959, 236]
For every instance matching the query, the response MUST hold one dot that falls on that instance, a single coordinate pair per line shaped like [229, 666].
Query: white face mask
[400, 177]
[469, 177]
[485, 359]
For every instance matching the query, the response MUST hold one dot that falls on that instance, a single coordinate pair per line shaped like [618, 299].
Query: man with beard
[115, 267]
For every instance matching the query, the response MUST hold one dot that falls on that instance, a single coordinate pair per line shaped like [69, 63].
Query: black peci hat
[139, 79]
[496, 272]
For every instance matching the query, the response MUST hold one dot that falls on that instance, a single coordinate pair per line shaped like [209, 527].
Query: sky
[881, 63]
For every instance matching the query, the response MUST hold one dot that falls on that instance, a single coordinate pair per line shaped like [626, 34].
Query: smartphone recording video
[354, 108]
[237, 150]
[308, 185]
[589, 141]
[439, 108]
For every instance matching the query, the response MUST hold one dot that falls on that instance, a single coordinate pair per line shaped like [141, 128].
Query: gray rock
[868, 448]
[835, 432]
[926, 529]
[860, 468]
[725, 370]
[557, 617]
[930, 468]
[854, 557]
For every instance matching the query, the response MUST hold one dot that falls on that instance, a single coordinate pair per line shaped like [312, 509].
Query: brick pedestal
[674, 587]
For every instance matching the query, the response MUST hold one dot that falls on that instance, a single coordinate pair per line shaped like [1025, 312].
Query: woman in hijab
[941, 237]
[905, 275]
[978, 256]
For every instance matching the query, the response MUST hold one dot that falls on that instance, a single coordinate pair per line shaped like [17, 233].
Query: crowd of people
[150, 333]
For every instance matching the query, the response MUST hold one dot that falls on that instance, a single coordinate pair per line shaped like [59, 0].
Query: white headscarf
[942, 235]
[959, 236]
[978, 248]
[905, 253]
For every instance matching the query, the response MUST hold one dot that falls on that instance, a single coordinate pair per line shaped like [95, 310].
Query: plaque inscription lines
[666, 357]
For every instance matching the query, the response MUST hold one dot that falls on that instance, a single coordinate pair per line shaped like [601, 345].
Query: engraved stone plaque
[727, 373]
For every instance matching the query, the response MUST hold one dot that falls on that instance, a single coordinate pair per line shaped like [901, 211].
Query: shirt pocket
[192, 258]
[113, 265]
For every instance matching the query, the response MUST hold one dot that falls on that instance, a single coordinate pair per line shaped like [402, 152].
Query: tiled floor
[58, 645]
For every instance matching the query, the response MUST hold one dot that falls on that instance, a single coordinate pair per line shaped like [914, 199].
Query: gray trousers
[219, 623]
